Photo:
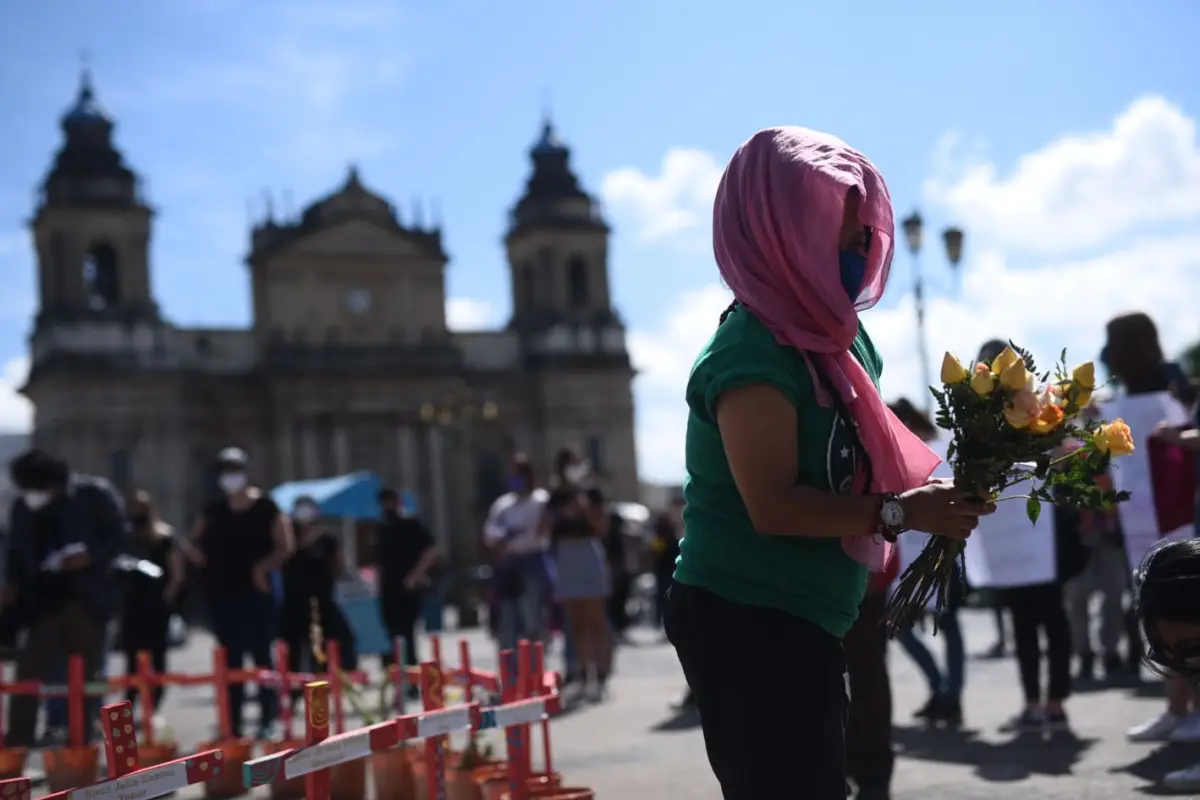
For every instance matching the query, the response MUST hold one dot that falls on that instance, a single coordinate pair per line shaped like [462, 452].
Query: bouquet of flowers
[1010, 425]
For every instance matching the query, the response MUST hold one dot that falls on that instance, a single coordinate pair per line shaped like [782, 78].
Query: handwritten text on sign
[144, 785]
[329, 753]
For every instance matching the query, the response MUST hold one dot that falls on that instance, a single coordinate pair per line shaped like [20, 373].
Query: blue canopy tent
[350, 497]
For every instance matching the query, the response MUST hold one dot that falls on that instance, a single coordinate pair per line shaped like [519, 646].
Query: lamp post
[952, 238]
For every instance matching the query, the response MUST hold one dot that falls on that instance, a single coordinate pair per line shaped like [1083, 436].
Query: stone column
[309, 438]
[438, 505]
[406, 448]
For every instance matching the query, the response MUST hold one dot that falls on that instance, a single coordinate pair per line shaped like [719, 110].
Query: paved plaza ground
[634, 747]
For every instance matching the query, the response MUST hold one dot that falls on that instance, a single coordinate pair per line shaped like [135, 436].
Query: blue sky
[964, 107]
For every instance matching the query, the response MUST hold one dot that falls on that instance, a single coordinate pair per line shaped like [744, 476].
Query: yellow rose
[953, 370]
[1082, 384]
[1023, 409]
[1114, 438]
[1016, 378]
[1005, 360]
[1050, 417]
[983, 382]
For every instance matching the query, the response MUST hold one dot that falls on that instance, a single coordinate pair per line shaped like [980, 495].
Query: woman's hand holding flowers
[941, 508]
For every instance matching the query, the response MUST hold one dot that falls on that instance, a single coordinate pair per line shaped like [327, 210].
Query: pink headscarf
[776, 224]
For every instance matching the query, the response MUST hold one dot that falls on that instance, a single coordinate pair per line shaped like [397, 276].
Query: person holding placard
[1135, 357]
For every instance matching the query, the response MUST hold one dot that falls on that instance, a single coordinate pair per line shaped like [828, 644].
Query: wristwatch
[891, 516]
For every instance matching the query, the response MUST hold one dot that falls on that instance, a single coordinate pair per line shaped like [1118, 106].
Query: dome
[548, 143]
[86, 109]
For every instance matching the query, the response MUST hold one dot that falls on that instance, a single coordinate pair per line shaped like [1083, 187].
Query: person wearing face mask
[239, 542]
[798, 476]
[65, 531]
[405, 553]
[153, 571]
[513, 534]
[577, 524]
[310, 574]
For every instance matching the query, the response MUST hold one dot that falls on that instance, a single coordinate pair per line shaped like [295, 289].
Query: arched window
[100, 278]
[577, 283]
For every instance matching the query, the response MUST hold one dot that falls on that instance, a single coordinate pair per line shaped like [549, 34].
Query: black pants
[400, 612]
[1034, 609]
[786, 745]
[869, 755]
[245, 624]
[145, 633]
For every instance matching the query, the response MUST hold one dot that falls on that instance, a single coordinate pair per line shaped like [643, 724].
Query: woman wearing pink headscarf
[798, 474]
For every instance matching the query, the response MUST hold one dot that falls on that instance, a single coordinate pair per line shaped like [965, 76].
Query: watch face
[358, 301]
[892, 514]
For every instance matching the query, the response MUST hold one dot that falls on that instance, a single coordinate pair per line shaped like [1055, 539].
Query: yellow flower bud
[1082, 384]
[952, 370]
[1016, 378]
[1005, 360]
[983, 382]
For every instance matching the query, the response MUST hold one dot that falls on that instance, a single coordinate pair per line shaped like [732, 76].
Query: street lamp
[952, 238]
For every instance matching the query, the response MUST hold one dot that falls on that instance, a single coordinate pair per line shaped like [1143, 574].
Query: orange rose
[1050, 417]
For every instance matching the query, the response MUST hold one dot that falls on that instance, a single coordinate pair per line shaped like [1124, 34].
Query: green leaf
[1033, 508]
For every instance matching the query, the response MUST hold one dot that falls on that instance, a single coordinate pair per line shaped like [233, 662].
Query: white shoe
[1184, 780]
[1187, 730]
[1158, 729]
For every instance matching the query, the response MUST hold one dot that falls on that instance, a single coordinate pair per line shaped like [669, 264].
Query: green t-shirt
[721, 551]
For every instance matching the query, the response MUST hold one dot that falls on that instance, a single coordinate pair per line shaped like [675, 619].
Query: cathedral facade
[348, 363]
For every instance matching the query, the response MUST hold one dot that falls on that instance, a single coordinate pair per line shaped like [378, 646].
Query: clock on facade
[358, 301]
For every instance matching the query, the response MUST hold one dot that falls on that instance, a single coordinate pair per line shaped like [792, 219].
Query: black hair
[839, 406]
[991, 349]
[387, 495]
[565, 457]
[521, 465]
[37, 470]
[1165, 587]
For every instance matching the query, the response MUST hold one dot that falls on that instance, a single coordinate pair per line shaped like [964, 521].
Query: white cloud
[1114, 216]
[464, 314]
[16, 413]
[675, 203]
[1084, 190]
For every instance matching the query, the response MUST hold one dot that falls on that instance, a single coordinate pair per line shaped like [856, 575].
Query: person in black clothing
[65, 531]
[311, 575]
[665, 546]
[239, 542]
[404, 552]
[153, 571]
[614, 549]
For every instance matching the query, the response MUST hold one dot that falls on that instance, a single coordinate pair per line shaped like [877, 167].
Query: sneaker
[1057, 721]
[1027, 721]
[1183, 780]
[950, 712]
[1187, 731]
[1158, 729]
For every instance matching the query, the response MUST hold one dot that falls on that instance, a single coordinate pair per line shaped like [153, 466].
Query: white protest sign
[155, 782]
[1007, 550]
[911, 543]
[1139, 521]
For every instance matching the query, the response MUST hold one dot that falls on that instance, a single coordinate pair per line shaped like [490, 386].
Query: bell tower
[91, 227]
[557, 245]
